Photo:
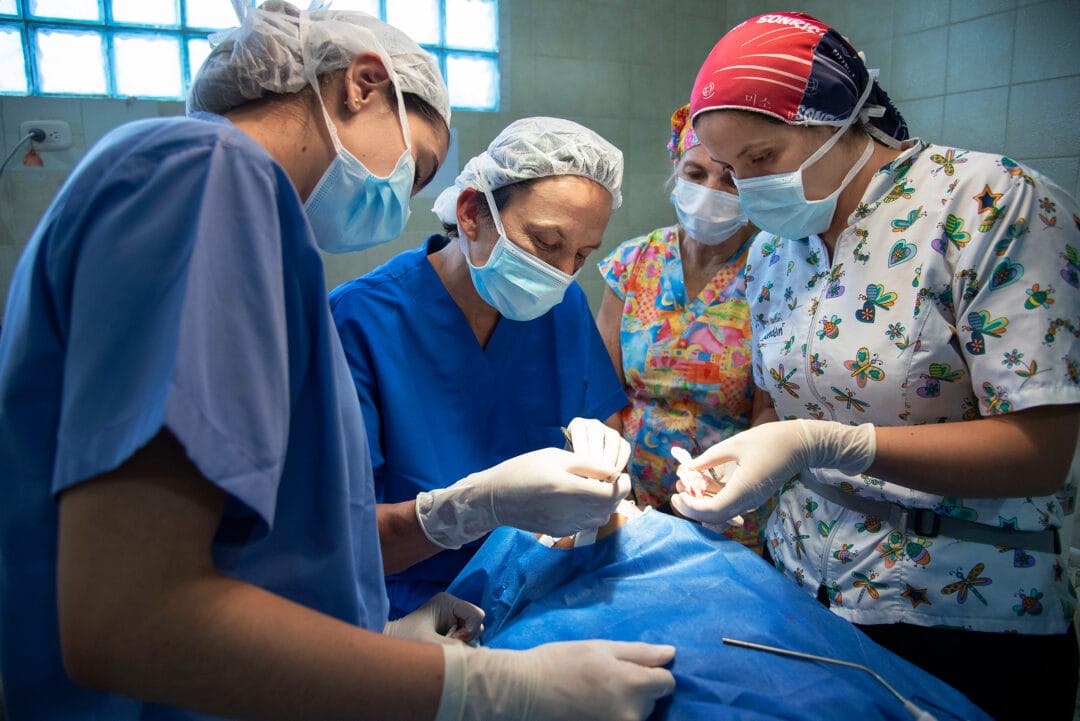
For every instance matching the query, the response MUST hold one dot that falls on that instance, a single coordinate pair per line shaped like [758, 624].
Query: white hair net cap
[537, 148]
[267, 55]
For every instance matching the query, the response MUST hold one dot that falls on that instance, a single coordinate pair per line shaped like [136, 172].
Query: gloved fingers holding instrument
[443, 619]
[598, 442]
[767, 456]
[549, 491]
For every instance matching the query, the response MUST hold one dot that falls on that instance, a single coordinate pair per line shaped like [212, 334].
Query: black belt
[925, 523]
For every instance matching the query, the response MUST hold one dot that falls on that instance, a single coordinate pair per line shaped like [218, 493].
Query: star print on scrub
[686, 362]
[954, 294]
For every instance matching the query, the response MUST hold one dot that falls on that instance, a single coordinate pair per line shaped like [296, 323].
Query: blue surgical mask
[351, 208]
[514, 281]
[709, 216]
[777, 203]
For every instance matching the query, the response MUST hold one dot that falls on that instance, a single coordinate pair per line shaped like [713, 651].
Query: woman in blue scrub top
[478, 346]
[187, 519]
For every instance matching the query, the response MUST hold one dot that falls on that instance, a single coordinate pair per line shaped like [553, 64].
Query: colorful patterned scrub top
[687, 365]
[953, 295]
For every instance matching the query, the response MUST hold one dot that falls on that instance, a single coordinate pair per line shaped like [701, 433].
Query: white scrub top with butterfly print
[953, 294]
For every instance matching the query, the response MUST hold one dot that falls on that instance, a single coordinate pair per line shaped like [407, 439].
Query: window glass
[70, 62]
[67, 9]
[419, 19]
[149, 12]
[471, 24]
[197, 49]
[147, 66]
[371, 7]
[217, 14]
[106, 47]
[12, 69]
[473, 81]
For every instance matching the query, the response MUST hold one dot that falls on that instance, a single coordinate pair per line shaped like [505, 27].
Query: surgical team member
[188, 520]
[478, 347]
[676, 323]
[924, 301]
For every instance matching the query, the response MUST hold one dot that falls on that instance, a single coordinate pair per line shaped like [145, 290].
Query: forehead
[568, 202]
[726, 131]
[559, 194]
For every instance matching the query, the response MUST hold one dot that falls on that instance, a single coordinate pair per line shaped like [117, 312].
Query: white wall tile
[578, 29]
[925, 118]
[1047, 41]
[1042, 119]
[976, 51]
[879, 54]
[918, 15]
[976, 120]
[962, 10]
[918, 64]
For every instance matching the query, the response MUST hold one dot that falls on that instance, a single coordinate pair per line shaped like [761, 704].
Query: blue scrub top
[174, 283]
[438, 407]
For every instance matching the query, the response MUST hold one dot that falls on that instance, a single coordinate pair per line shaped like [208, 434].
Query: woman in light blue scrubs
[478, 346]
[187, 518]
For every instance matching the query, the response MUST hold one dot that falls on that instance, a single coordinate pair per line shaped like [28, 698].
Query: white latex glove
[767, 456]
[549, 491]
[599, 443]
[579, 680]
[443, 619]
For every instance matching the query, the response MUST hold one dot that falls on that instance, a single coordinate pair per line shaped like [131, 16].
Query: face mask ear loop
[494, 212]
[858, 165]
[492, 208]
[312, 78]
[827, 146]
[511, 246]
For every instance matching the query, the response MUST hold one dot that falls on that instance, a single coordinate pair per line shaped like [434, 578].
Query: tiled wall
[994, 75]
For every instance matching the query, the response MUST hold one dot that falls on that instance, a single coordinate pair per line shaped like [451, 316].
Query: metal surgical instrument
[918, 713]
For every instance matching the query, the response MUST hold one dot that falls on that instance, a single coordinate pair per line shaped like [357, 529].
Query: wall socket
[57, 134]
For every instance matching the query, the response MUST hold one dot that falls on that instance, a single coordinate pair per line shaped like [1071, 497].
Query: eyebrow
[752, 145]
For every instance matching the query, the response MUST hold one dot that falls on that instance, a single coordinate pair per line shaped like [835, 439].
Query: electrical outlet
[57, 134]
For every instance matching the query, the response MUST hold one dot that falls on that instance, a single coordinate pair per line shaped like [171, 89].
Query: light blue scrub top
[438, 407]
[174, 282]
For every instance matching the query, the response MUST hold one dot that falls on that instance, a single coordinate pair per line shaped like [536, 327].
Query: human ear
[366, 79]
[468, 213]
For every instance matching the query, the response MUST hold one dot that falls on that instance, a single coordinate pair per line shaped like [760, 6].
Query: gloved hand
[443, 619]
[549, 491]
[599, 443]
[767, 456]
[580, 680]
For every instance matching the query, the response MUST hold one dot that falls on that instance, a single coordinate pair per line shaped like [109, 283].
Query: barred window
[152, 48]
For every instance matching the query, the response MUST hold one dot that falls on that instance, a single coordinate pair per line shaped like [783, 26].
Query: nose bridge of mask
[694, 197]
[505, 245]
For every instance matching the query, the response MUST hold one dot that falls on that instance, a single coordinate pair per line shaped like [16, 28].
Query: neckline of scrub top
[698, 304]
[455, 316]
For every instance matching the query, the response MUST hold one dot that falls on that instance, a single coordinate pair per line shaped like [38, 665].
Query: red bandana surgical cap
[797, 69]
